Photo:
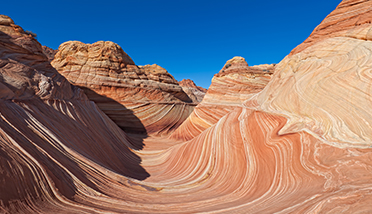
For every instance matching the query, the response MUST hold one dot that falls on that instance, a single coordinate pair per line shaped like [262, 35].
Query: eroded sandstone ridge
[299, 145]
[49, 52]
[235, 83]
[51, 135]
[196, 93]
[327, 80]
[143, 99]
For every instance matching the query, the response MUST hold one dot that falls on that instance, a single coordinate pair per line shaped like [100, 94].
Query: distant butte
[196, 93]
[189, 83]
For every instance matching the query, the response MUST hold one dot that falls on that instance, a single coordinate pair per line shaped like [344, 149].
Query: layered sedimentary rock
[51, 135]
[190, 84]
[49, 52]
[349, 19]
[325, 88]
[144, 99]
[235, 83]
[196, 93]
[300, 145]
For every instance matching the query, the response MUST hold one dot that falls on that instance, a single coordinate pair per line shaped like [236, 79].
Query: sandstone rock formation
[235, 83]
[143, 99]
[196, 93]
[25, 70]
[51, 135]
[299, 145]
[189, 83]
[49, 52]
[327, 80]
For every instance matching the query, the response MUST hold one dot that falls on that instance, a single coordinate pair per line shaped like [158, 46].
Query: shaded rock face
[51, 135]
[196, 93]
[110, 77]
[49, 52]
[235, 83]
[25, 70]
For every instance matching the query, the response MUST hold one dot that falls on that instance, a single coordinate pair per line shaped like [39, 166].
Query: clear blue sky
[190, 38]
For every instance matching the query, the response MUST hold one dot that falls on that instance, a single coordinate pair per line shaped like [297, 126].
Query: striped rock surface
[49, 132]
[325, 89]
[140, 99]
[234, 84]
[301, 145]
[196, 93]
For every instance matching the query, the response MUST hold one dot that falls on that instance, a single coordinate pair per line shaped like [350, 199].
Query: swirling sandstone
[300, 145]
[50, 133]
[138, 98]
[235, 83]
[326, 88]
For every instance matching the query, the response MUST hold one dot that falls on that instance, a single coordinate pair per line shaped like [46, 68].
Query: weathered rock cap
[107, 53]
[6, 20]
[238, 65]
[189, 83]
[236, 62]
[158, 73]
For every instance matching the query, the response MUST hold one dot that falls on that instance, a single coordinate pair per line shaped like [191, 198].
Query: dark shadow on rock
[61, 179]
[5, 37]
[86, 136]
[123, 117]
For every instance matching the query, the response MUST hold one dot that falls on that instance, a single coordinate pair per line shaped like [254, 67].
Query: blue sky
[190, 38]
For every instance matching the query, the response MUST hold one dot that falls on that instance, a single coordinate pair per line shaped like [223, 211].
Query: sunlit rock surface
[140, 99]
[325, 89]
[300, 145]
[234, 84]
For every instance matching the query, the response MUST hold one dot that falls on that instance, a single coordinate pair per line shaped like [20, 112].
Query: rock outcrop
[190, 84]
[327, 80]
[49, 52]
[300, 144]
[53, 140]
[235, 83]
[25, 70]
[196, 93]
[140, 99]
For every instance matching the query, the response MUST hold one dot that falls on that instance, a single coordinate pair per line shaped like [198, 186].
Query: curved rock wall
[50, 133]
[235, 83]
[300, 145]
[326, 88]
[140, 99]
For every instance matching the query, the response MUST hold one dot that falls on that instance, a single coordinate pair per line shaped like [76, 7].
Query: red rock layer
[348, 17]
[235, 83]
[242, 165]
[138, 99]
[60, 156]
[50, 133]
